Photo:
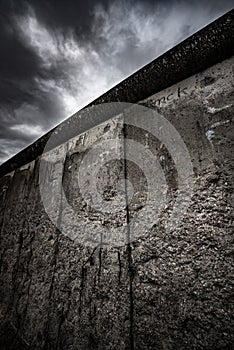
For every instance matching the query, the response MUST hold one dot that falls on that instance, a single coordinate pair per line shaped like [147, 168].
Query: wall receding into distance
[160, 289]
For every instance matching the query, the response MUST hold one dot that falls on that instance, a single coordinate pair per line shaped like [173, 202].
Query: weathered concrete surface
[162, 291]
[182, 286]
[57, 293]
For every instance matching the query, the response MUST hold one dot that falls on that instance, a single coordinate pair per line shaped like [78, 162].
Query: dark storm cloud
[56, 56]
[18, 63]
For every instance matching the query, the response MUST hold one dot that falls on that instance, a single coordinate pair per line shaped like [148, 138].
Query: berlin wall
[116, 227]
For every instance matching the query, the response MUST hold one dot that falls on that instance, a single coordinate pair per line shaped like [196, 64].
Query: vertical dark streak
[129, 248]
[100, 264]
[120, 266]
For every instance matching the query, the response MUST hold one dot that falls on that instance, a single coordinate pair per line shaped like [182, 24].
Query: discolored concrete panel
[182, 287]
[58, 293]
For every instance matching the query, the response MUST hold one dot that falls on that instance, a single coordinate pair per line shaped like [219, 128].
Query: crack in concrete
[129, 248]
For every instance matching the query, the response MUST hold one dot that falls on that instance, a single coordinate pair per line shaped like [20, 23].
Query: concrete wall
[163, 290]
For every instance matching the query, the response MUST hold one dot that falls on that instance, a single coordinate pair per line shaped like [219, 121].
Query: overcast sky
[57, 56]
